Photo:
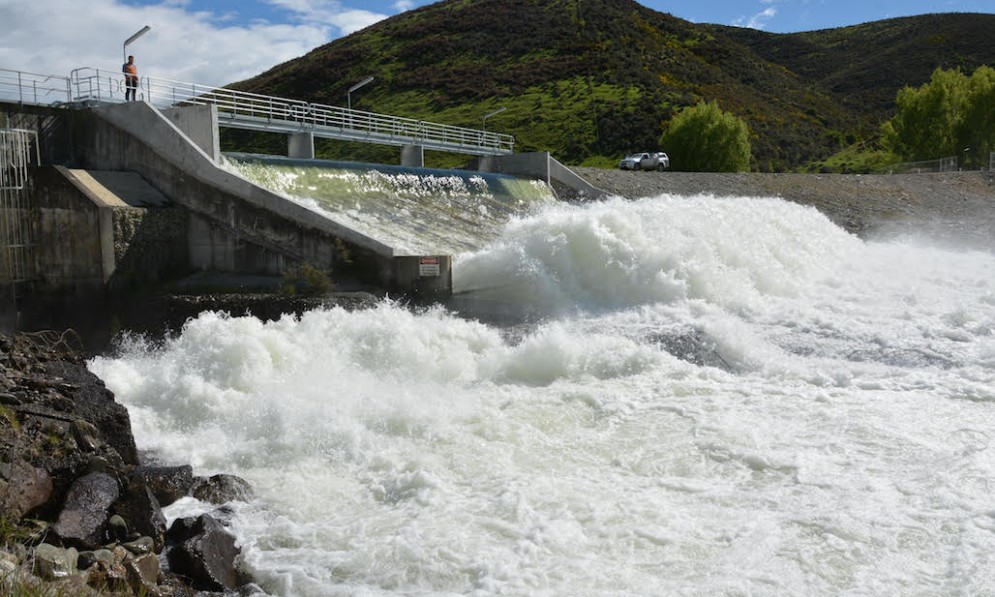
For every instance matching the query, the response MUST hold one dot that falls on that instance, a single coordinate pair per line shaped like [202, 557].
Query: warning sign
[428, 266]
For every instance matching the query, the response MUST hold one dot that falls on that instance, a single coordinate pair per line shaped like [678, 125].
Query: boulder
[140, 547]
[139, 507]
[53, 562]
[168, 483]
[204, 552]
[84, 515]
[143, 573]
[220, 489]
[117, 528]
[23, 488]
[89, 558]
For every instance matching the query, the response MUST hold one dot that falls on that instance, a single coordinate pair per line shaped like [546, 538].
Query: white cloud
[57, 36]
[757, 21]
[329, 13]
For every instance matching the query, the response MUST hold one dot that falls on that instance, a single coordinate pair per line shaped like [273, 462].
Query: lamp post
[139, 33]
[354, 88]
[483, 122]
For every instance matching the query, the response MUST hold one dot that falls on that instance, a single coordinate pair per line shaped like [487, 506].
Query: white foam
[839, 442]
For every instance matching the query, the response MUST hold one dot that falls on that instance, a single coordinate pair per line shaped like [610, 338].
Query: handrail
[34, 88]
[250, 110]
[253, 110]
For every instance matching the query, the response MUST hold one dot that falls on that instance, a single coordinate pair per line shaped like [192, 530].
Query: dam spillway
[372, 225]
[415, 211]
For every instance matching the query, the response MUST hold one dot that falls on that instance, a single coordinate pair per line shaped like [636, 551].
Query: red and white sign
[428, 266]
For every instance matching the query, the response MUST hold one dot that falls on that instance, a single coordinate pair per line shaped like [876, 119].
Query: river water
[687, 396]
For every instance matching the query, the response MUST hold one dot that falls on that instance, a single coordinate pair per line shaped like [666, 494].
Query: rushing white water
[416, 211]
[720, 397]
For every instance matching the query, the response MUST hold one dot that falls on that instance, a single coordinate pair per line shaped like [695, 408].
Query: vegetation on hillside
[591, 80]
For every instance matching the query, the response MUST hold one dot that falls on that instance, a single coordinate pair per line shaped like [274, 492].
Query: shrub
[305, 280]
[704, 138]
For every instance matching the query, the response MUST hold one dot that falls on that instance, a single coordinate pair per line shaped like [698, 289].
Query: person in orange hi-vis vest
[130, 70]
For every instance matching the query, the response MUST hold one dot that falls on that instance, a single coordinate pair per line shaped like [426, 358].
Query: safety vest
[130, 71]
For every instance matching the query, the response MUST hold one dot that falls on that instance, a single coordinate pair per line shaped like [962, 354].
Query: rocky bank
[80, 515]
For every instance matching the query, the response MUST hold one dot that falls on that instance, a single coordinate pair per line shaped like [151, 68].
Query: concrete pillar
[200, 125]
[426, 278]
[413, 156]
[301, 145]
[487, 163]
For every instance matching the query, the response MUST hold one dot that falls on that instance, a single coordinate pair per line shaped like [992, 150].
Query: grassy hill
[590, 80]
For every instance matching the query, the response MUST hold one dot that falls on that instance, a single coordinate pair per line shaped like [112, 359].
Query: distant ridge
[589, 80]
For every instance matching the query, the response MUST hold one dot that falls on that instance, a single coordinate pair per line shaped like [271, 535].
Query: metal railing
[33, 88]
[16, 233]
[949, 164]
[252, 111]
[240, 109]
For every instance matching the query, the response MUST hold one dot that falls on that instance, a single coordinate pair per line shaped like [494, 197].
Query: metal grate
[16, 242]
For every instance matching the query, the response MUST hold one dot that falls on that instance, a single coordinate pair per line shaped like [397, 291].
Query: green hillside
[590, 80]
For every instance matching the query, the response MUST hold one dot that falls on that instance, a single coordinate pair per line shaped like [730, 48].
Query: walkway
[251, 111]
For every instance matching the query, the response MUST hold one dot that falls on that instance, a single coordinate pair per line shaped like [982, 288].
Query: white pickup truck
[645, 160]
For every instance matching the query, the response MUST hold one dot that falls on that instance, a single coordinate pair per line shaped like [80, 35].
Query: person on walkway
[130, 70]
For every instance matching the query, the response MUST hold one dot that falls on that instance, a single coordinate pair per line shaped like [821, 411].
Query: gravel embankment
[941, 204]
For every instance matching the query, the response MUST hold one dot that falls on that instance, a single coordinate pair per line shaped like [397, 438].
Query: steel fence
[948, 164]
[33, 88]
[241, 109]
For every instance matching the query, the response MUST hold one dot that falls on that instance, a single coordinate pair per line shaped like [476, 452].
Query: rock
[87, 436]
[7, 568]
[220, 489]
[141, 546]
[53, 562]
[251, 590]
[111, 577]
[117, 528]
[89, 558]
[27, 487]
[92, 401]
[84, 515]
[142, 572]
[168, 483]
[204, 552]
[140, 508]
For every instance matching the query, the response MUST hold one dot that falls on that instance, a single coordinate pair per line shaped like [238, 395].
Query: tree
[976, 131]
[949, 116]
[704, 138]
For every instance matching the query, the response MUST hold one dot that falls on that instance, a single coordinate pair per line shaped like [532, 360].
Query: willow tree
[704, 138]
[949, 116]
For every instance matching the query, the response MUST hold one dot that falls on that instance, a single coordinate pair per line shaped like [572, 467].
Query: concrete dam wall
[139, 195]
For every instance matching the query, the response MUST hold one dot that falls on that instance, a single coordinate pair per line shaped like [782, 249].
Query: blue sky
[214, 42]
